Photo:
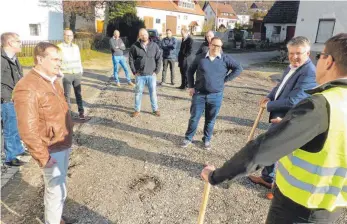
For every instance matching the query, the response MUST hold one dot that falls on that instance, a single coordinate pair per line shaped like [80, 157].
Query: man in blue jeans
[117, 47]
[145, 61]
[11, 72]
[212, 71]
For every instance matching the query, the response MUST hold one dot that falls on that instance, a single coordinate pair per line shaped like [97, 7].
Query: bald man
[204, 46]
[145, 62]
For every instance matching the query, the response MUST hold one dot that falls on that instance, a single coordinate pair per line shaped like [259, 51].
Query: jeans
[12, 144]
[171, 63]
[120, 60]
[210, 103]
[285, 211]
[55, 187]
[141, 82]
[75, 81]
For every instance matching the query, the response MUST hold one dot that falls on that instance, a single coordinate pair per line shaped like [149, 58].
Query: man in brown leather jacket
[45, 125]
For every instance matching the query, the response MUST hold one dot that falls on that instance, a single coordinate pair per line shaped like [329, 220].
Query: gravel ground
[131, 170]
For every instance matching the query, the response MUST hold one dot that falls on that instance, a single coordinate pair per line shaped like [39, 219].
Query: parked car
[153, 35]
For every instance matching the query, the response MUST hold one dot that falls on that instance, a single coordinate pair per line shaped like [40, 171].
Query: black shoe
[172, 84]
[181, 87]
[15, 162]
[68, 220]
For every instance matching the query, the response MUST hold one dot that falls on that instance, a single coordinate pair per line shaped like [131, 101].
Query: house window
[34, 29]
[277, 30]
[325, 30]
[185, 17]
[178, 16]
[157, 21]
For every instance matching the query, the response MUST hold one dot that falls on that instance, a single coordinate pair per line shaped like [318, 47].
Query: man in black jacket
[204, 47]
[307, 129]
[145, 61]
[11, 72]
[185, 56]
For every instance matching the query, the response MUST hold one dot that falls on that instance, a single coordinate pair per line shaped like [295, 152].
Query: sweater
[72, 63]
[211, 75]
[117, 46]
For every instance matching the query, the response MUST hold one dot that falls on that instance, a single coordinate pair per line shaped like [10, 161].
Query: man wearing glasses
[297, 77]
[310, 144]
[213, 70]
[11, 73]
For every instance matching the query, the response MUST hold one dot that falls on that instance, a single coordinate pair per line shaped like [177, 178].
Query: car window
[151, 33]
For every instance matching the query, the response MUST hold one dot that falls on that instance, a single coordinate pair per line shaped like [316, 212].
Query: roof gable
[223, 10]
[283, 12]
[170, 5]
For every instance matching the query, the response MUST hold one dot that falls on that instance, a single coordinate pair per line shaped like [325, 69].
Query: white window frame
[329, 34]
[38, 29]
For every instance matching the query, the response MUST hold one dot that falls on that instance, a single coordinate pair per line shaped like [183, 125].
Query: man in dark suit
[185, 56]
[297, 77]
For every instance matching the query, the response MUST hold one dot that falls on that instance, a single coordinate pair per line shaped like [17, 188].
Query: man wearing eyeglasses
[213, 70]
[297, 77]
[11, 73]
[311, 146]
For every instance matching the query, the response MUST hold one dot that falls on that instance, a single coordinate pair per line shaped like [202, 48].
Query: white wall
[16, 15]
[161, 14]
[310, 13]
[244, 19]
[277, 38]
[225, 22]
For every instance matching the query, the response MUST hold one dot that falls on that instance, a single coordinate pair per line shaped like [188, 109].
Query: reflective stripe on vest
[319, 180]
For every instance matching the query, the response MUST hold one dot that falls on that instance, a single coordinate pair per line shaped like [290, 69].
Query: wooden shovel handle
[204, 202]
[261, 110]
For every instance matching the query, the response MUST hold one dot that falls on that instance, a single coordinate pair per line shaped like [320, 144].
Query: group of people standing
[306, 144]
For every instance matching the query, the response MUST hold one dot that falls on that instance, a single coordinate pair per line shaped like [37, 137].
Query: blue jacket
[293, 91]
[169, 47]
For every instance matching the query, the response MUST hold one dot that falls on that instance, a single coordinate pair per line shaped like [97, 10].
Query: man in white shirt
[297, 77]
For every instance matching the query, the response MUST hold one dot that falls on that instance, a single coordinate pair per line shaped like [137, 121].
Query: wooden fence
[29, 45]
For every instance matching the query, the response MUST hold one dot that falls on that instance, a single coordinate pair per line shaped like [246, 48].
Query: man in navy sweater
[212, 71]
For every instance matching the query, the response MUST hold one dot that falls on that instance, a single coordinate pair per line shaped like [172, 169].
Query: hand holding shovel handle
[261, 110]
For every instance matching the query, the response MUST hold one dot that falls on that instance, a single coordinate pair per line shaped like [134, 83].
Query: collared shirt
[212, 58]
[10, 55]
[286, 78]
[144, 45]
[49, 78]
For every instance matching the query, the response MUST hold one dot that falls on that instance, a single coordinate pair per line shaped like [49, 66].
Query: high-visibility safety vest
[71, 63]
[319, 180]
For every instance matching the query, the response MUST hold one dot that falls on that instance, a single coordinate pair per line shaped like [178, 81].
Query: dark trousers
[75, 81]
[211, 104]
[285, 211]
[171, 64]
[184, 71]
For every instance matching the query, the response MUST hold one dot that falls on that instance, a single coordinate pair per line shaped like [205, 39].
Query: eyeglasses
[216, 46]
[297, 53]
[322, 53]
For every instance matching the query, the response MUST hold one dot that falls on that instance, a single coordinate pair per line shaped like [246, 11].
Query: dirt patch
[146, 186]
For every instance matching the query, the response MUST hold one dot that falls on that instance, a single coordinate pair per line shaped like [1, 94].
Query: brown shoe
[269, 195]
[259, 180]
[117, 84]
[135, 114]
[156, 113]
[131, 84]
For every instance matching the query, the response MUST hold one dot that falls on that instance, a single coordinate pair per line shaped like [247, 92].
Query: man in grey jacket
[117, 47]
[168, 44]
[145, 61]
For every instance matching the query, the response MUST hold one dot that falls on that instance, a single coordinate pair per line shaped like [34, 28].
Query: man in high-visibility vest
[311, 145]
[72, 69]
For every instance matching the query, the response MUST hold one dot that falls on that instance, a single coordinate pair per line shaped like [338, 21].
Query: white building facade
[32, 21]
